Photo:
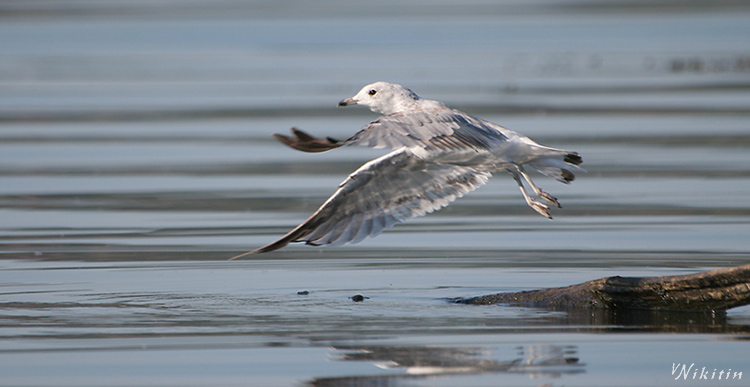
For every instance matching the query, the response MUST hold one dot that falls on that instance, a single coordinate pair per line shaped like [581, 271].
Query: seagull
[439, 154]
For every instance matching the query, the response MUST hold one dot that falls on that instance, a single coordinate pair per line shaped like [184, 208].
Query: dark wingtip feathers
[305, 142]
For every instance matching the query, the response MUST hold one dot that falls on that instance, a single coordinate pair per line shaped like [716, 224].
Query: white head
[383, 97]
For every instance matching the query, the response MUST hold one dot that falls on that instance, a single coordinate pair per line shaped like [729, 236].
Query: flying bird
[439, 155]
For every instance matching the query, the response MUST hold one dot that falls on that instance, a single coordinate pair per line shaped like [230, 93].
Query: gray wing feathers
[381, 193]
[440, 129]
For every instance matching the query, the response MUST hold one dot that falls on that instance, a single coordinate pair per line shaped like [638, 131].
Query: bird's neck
[407, 105]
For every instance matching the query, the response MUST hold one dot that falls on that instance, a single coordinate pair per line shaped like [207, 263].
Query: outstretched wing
[434, 129]
[381, 193]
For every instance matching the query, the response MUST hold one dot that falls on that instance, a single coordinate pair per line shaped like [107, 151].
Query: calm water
[136, 157]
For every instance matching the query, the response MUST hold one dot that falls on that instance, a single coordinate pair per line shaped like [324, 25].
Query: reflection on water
[536, 361]
[136, 157]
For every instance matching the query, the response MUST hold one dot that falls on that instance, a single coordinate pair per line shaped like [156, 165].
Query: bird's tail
[559, 164]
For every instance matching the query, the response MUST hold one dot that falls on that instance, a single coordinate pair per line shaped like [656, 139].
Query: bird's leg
[544, 195]
[537, 206]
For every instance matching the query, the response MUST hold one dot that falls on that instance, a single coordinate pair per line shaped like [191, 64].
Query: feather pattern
[435, 129]
[381, 193]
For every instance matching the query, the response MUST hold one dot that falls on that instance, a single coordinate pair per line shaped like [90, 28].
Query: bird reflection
[536, 361]
[550, 361]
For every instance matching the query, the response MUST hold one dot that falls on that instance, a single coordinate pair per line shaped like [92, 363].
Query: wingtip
[243, 254]
[305, 142]
[281, 243]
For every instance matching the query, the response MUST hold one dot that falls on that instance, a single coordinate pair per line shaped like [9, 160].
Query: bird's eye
[372, 92]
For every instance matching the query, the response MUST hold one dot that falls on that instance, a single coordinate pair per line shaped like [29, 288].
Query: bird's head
[383, 97]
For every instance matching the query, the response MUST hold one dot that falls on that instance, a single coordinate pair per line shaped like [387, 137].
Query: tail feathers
[561, 167]
[573, 158]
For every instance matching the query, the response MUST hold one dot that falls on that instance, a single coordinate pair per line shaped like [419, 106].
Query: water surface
[136, 157]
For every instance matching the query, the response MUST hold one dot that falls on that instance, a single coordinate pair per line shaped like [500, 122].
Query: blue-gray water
[136, 157]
